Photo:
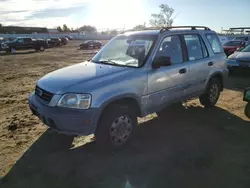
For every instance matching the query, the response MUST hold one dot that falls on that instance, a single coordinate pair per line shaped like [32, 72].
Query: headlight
[78, 101]
[4, 45]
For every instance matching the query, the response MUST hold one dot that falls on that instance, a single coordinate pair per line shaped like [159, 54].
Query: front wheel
[247, 110]
[116, 127]
[212, 94]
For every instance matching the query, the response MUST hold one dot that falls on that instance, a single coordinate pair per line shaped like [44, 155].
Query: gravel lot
[191, 147]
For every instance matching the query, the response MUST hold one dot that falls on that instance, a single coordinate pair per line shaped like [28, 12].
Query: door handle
[182, 71]
[210, 64]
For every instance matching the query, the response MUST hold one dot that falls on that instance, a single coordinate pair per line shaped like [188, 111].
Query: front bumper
[234, 64]
[65, 120]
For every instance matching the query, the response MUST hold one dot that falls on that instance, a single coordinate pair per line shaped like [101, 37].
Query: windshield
[87, 41]
[246, 49]
[239, 38]
[126, 50]
[232, 43]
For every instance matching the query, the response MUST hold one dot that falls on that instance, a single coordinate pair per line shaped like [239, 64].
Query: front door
[167, 83]
[19, 44]
[27, 43]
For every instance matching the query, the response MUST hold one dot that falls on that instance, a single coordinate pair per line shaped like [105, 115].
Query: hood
[240, 56]
[8, 42]
[60, 81]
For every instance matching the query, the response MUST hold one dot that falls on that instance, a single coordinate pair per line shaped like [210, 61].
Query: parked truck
[24, 44]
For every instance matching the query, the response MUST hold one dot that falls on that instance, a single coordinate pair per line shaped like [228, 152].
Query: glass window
[204, 48]
[246, 49]
[214, 43]
[193, 47]
[233, 43]
[27, 40]
[20, 40]
[171, 48]
[126, 50]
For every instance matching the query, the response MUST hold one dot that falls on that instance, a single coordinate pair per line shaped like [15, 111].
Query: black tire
[247, 110]
[231, 71]
[107, 136]
[41, 48]
[212, 94]
[11, 50]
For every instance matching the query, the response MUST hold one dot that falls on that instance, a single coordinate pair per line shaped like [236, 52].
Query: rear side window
[214, 43]
[27, 40]
[194, 47]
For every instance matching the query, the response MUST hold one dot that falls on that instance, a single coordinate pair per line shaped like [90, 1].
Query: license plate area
[35, 112]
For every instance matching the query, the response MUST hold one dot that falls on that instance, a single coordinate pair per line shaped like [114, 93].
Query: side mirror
[161, 61]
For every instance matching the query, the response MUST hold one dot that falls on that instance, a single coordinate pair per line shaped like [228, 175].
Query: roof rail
[179, 27]
[162, 29]
[146, 28]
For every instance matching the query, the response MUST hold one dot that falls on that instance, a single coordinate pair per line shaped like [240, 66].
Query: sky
[119, 14]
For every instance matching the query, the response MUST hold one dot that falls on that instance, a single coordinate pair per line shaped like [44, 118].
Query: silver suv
[135, 74]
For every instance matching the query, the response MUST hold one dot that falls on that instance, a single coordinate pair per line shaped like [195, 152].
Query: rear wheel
[13, 50]
[212, 94]
[41, 48]
[231, 71]
[116, 128]
[247, 110]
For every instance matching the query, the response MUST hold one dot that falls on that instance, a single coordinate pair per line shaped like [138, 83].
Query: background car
[242, 38]
[69, 37]
[64, 40]
[54, 42]
[240, 59]
[24, 43]
[231, 46]
[90, 44]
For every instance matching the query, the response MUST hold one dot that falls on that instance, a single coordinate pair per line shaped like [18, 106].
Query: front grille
[44, 95]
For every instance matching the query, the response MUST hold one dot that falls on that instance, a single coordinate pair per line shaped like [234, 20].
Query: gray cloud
[62, 12]
[9, 12]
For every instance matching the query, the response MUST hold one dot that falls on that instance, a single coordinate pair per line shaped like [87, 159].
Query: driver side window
[171, 48]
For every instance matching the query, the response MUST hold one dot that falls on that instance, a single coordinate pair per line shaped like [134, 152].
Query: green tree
[1, 25]
[113, 32]
[59, 29]
[66, 28]
[139, 27]
[88, 28]
[164, 18]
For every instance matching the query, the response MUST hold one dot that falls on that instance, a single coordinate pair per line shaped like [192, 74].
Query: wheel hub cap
[120, 130]
[213, 92]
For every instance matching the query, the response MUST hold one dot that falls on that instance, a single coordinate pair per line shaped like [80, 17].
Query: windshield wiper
[109, 62]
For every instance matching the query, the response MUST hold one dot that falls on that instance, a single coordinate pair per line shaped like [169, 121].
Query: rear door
[200, 63]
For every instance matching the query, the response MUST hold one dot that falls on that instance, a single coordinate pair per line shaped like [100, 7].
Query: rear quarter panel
[219, 60]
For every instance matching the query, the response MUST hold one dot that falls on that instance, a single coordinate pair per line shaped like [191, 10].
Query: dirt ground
[191, 147]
